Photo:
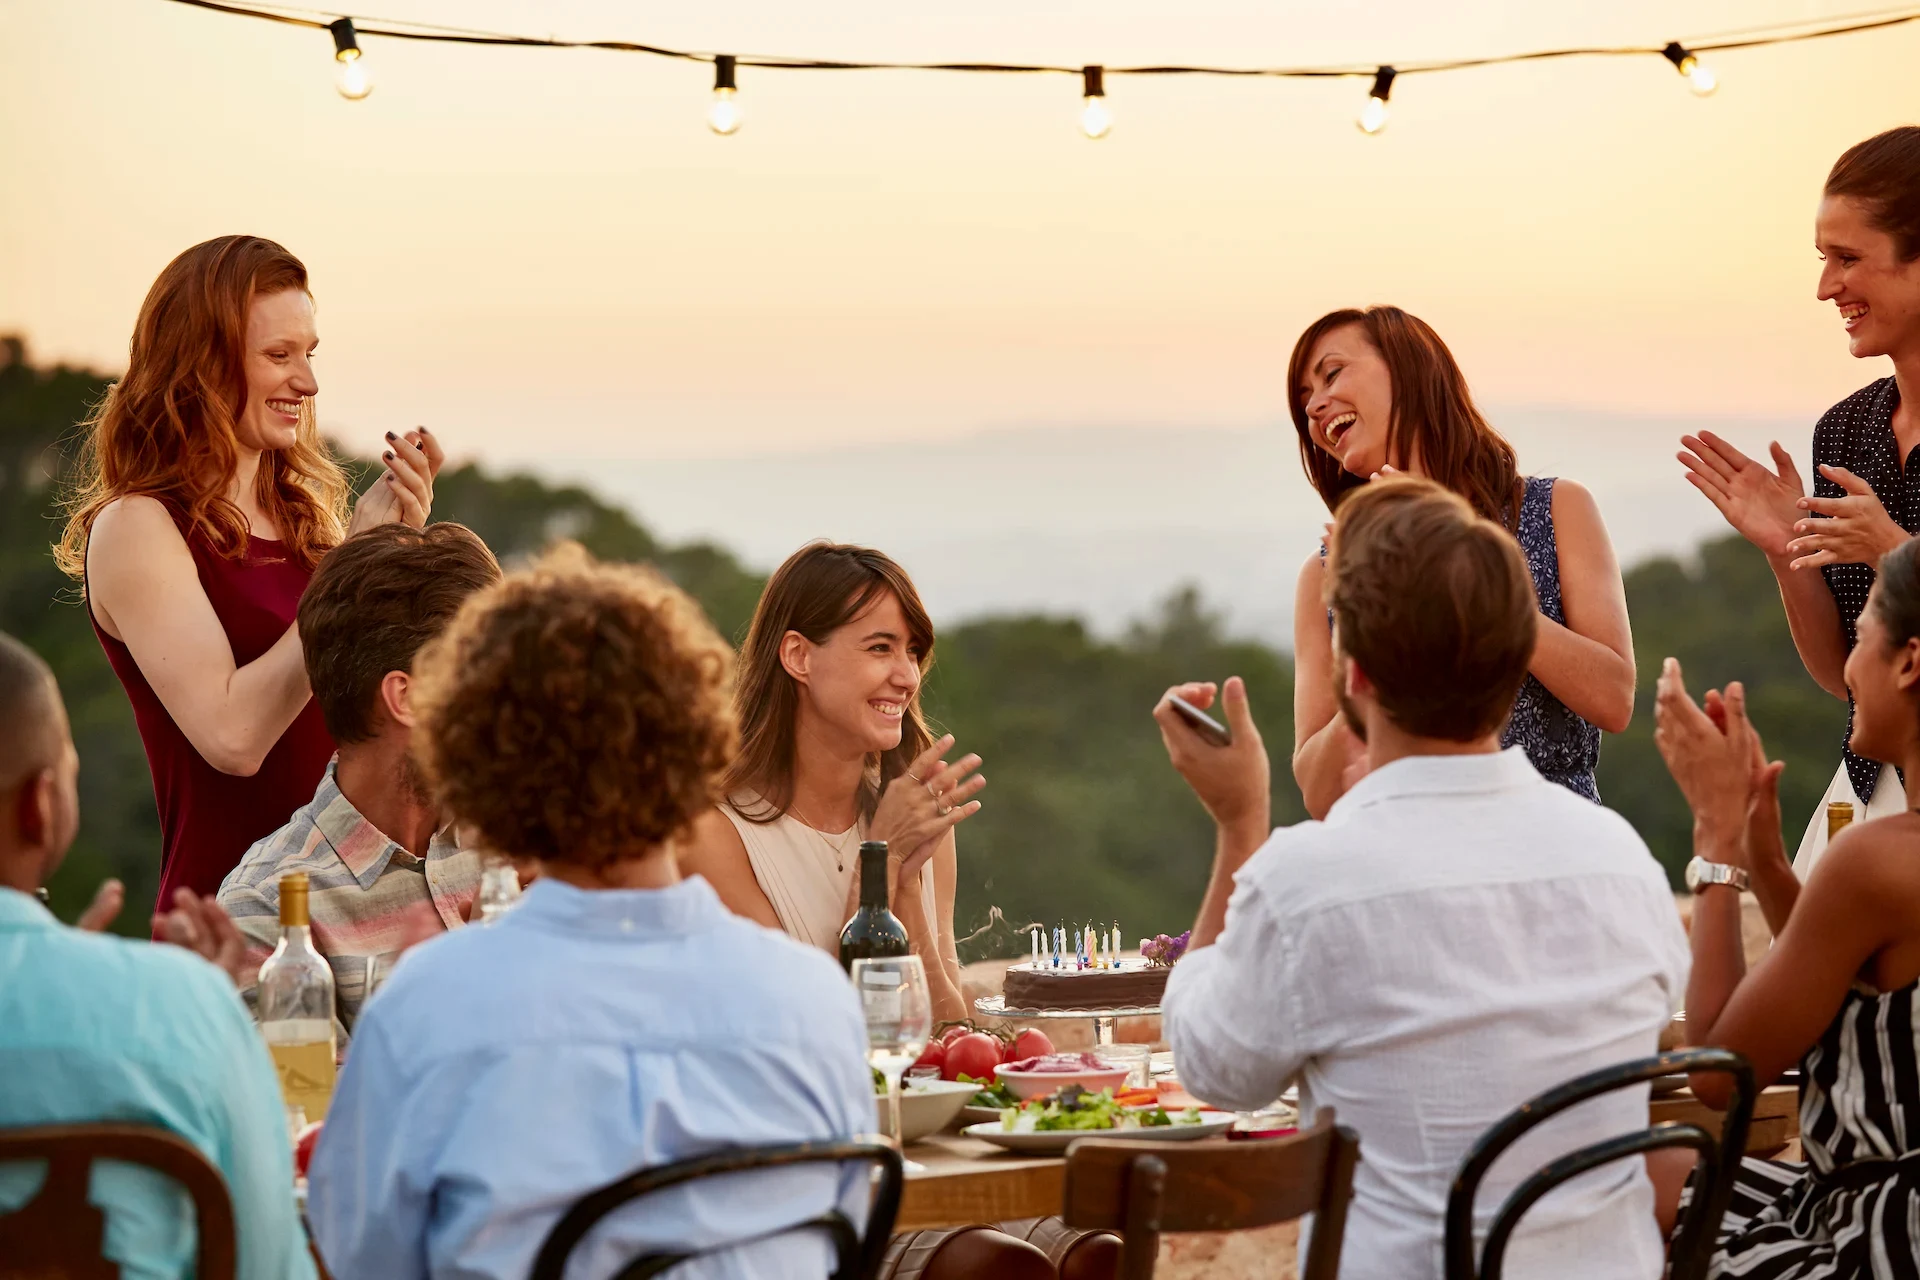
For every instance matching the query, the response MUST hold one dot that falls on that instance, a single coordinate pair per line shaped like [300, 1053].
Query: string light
[723, 117]
[1095, 120]
[349, 65]
[1700, 77]
[1373, 116]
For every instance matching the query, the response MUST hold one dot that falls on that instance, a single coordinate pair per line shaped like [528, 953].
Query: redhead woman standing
[1866, 499]
[206, 500]
[1375, 391]
[833, 751]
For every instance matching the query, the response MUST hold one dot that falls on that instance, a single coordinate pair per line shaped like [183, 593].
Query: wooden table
[969, 1181]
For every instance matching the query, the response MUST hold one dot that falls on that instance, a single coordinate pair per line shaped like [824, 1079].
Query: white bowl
[1038, 1084]
[926, 1107]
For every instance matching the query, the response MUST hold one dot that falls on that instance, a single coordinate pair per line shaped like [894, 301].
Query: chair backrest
[1144, 1188]
[858, 1256]
[1713, 1183]
[60, 1232]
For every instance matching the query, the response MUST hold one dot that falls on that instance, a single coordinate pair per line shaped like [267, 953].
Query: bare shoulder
[1872, 864]
[135, 526]
[713, 845]
[1312, 582]
[1572, 501]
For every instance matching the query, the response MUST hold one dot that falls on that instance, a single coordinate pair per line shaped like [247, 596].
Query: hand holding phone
[1203, 724]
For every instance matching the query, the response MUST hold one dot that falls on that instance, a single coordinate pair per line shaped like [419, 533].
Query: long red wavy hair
[166, 429]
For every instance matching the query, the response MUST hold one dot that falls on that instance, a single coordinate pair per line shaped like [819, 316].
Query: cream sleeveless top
[808, 875]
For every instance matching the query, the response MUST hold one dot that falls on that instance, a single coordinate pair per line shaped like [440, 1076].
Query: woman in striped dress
[1837, 992]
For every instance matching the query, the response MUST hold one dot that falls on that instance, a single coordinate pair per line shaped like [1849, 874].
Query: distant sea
[1104, 522]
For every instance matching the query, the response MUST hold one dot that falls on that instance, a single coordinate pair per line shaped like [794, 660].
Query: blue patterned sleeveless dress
[1562, 746]
[1854, 1208]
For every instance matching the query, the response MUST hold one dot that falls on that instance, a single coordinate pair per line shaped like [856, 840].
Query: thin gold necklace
[839, 848]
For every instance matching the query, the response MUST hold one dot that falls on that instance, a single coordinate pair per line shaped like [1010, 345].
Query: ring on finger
[916, 777]
[930, 790]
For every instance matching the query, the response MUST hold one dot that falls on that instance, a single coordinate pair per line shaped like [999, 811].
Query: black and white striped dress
[1854, 1208]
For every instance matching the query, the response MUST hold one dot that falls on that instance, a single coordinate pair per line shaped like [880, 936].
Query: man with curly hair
[576, 717]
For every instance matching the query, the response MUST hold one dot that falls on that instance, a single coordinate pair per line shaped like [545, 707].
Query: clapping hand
[104, 909]
[1716, 757]
[921, 805]
[404, 491]
[1857, 528]
[201, 925]
[1761, 505]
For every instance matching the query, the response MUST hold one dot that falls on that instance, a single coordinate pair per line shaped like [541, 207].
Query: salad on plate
[1076, 1108]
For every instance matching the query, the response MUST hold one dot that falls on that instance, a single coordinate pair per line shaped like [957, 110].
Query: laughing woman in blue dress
[1866, 497]
[1375, 391]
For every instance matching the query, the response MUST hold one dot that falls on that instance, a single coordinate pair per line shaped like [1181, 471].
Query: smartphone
[1203, 724]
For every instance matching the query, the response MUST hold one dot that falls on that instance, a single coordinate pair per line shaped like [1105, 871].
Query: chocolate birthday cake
[1131, 984]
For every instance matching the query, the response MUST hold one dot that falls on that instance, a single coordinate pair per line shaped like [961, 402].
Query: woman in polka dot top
[1865, 500]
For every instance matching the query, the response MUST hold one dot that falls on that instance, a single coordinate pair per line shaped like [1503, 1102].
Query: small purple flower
[1164, 951]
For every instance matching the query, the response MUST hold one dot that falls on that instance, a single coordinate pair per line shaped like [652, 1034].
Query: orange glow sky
[547, 252]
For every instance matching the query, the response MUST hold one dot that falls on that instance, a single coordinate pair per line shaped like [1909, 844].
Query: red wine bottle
[874, 932]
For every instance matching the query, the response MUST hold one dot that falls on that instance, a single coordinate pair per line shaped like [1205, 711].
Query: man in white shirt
[1458, 935]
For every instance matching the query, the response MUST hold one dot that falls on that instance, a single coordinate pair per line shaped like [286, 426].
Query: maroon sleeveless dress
[208, 819]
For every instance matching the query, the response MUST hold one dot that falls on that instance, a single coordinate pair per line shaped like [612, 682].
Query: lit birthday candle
[1059, 945]
[1116, 942]
[1034, 935]
[1079, 950]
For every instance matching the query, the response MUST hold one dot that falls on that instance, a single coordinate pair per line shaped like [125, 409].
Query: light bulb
[350, 74]
[1373, 116]
[1700, 77]
[1096, 121]
[351, 79]
[724, 116]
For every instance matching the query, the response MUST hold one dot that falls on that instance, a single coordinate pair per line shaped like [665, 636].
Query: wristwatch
[1701, 873]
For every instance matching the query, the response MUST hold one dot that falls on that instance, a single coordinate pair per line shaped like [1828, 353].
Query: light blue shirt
[503, 1072]
[97, 1028]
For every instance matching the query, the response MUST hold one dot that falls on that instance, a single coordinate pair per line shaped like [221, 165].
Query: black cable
[1746, 39]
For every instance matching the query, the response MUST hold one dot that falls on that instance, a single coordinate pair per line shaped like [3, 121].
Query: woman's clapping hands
[1716, 756]
[404, 491]
[1856, 528]
[1761, 505]
[921, 805]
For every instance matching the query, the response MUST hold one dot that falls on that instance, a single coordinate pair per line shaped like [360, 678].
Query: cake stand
[1103, 1018]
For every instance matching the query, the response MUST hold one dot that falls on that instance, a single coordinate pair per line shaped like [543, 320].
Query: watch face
[1693, 875]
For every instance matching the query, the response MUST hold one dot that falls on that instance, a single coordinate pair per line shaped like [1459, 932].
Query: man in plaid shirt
[384, 869]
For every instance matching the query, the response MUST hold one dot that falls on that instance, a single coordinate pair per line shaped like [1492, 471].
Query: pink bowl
[1038, 1084]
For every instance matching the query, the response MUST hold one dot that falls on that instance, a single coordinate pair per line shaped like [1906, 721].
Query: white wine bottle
[296, 1006]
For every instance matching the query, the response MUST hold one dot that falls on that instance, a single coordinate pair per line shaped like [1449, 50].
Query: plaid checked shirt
[361, 889]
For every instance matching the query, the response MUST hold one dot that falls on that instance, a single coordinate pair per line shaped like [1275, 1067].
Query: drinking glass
[898, 1007]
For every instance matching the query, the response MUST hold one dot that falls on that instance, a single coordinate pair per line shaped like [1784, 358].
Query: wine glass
[898, 1007]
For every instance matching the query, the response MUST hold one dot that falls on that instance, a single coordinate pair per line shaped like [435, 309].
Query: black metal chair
[1713, 1181]
[858, 1257]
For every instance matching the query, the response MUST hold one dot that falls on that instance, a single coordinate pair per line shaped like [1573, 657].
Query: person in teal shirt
[96, 1028]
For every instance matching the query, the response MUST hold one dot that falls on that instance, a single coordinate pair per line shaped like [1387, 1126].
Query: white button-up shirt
[1457, 936]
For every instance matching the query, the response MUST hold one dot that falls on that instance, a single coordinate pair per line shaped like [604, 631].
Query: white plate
[1056, 1141]
[971, 1114]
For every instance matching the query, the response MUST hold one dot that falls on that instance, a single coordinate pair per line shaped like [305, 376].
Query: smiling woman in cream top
[833, 751]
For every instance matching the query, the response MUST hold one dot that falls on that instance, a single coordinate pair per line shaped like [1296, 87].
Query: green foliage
[1082, 818]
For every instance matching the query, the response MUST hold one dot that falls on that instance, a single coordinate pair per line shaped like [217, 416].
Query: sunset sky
[547, 256]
